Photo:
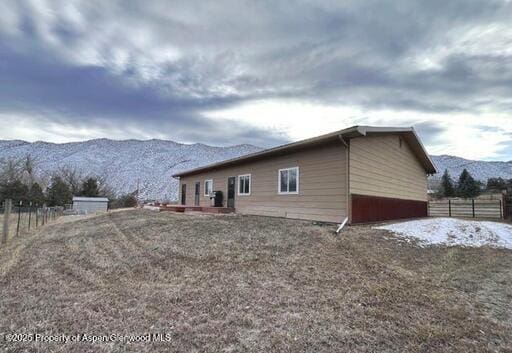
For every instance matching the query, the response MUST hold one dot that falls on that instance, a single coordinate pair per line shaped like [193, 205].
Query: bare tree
[11, 185]
[28, 165]
[105, 189]
[72, 177]
[10, 171]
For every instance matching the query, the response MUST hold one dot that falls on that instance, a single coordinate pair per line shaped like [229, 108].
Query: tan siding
[380, 167]
[322, 185]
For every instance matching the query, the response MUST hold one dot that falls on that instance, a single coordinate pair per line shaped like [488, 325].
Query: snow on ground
[452, 232]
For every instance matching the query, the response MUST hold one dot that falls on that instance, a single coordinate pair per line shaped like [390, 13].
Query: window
[288, 181]
[244, 184]
[208, 187]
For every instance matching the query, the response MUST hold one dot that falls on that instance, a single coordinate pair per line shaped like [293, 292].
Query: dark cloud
[429, 132]
[35, 85]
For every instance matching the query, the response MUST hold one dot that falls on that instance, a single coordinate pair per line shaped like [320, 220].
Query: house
[365, 173]
[87, 205]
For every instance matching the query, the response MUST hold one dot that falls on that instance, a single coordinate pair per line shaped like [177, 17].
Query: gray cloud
[160, 67]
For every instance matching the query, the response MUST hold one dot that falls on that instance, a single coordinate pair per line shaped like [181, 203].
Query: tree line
[19, 182]
[468, 187]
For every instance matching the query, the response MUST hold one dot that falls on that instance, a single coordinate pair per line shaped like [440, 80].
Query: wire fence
[23, 218]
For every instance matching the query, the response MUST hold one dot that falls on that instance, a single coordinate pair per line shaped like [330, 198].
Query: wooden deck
[182, 209]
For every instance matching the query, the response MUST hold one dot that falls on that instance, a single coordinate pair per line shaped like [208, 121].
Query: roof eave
[350, 132]
[272, 151]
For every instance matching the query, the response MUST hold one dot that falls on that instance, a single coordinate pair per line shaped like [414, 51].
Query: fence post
[19, 218]
[504, 206]
[473, 203]
[501, 209]
[7, 214]
[29, 214]
[449, 208]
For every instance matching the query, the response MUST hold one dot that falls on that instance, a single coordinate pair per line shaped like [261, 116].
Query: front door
[231, 192]
[196, 200]
[184, 194]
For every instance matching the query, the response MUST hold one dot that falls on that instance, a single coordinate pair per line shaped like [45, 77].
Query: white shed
[86, 205]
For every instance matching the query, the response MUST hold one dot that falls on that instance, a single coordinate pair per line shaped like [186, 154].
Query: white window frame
[250, 185]
[204, 186]
[279, 182]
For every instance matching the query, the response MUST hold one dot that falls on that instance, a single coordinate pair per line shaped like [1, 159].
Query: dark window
[289, 181]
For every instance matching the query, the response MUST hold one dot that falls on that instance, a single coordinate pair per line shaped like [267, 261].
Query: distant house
[87, 205]
[364, 173]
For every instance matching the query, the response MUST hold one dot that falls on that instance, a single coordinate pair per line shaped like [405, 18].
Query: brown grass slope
[250, 284]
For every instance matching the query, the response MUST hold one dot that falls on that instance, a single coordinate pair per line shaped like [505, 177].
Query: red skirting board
[367, 209]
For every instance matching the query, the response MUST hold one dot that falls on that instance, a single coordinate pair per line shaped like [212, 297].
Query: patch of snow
[454, 232]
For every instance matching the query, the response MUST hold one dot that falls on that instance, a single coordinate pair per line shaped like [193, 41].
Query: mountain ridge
[480, 170]
[152, 162]
[123, 163]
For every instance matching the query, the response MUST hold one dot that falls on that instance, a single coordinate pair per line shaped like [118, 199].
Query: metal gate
[467, 208]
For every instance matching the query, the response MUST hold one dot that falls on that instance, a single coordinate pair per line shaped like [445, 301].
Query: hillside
[152, 162]
[481, 170]
[123, 163]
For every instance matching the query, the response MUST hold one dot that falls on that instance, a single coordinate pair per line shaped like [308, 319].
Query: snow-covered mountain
[152, 162]
[480, 170]
[124, 163]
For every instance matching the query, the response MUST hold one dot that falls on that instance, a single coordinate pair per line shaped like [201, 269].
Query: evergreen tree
[14, 190]
[467, 186]
[36, 195]
[59, 193]
[496, 184]
[447, 187]
[90, 188]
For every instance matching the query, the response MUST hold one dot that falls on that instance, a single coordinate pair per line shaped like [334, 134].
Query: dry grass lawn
[250, 284]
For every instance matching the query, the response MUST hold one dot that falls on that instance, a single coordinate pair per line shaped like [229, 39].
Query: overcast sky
[259, 72]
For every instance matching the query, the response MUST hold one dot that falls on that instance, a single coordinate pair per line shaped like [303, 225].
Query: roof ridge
[350, 132]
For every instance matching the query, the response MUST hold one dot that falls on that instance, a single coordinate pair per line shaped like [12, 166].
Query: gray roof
[408, 133]
[90, 199]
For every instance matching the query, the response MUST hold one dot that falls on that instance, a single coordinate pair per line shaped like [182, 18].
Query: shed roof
[408, 133]
[89, 199]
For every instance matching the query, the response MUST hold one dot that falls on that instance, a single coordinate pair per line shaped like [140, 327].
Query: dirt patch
[253, 284]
